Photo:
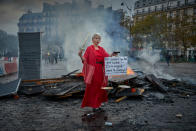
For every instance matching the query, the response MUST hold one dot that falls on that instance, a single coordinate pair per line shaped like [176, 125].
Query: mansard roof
[31, 16]
[145, 3]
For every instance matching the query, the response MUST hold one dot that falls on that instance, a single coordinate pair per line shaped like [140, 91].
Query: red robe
[94, 76]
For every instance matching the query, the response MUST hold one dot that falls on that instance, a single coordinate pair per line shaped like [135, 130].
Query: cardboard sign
[116, 65]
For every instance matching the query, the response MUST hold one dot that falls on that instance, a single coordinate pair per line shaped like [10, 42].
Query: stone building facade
[49, 19]
[172, 8]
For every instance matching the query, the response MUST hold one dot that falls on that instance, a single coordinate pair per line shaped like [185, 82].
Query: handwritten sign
[116, 65]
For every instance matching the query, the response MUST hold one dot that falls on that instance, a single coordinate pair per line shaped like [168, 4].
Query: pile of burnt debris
[120, 87]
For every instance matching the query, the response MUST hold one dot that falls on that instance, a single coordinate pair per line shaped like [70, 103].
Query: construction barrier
[2, 69]
[5, 59]
[8, 67]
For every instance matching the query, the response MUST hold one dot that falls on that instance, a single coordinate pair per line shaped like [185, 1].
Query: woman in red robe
[94, 74]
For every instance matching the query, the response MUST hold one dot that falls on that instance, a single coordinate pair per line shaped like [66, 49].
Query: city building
[53, 15]
[173, 9]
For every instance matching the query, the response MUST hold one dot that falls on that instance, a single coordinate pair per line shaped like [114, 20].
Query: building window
[177, 13]
[148, 9]
[155, 8]
[178, 3]
[185, 11]
[136, 18]
[194, 11]
[194, 20]
[162, 6]
[142, 10]
[168, 5]
[170, 14]
[149, 1]
[177, 25]
[186, 2]
[170, 26]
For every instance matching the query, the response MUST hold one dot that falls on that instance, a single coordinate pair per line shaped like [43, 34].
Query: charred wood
[157, 83]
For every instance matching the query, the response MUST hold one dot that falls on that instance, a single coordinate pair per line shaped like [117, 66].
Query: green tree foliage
[125, 21]
[185, 31]
[153, 27]
[160, 29]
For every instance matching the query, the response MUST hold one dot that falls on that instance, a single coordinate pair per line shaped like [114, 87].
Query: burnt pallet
[121, 78]
[157, 83]
[65, 89]
[128, 92]
[31, 90]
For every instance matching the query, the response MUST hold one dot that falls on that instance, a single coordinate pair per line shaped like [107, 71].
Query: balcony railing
[166, 8]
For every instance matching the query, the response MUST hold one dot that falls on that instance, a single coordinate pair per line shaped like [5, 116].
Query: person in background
[195, 56]
[9, 56]
[48, 57]
[56, 57]
[168, 57]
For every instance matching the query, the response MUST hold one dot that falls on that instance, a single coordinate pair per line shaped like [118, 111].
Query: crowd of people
[169, 57]
[51, 57]
[8, 54]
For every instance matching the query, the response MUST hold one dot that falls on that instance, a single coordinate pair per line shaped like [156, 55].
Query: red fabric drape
[94, 77]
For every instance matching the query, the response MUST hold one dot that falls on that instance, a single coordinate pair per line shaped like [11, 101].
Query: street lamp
[122, 4]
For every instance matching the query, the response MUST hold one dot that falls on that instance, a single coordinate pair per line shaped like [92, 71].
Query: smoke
[11, 10]
[81, 23]
[9, 18]
[149, 63]
[189, 80]
[75, 38]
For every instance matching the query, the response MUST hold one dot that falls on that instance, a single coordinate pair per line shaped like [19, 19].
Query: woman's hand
[80, 53]
[114, 54]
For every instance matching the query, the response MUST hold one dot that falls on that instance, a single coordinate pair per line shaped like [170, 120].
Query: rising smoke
[81, 22]
[148, 61]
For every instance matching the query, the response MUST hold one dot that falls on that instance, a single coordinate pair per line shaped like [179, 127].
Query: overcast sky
[12, 10]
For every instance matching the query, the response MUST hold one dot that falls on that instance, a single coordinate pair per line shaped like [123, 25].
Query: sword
[83, 45]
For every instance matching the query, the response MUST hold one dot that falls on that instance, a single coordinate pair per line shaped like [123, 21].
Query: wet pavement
[40, 113]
